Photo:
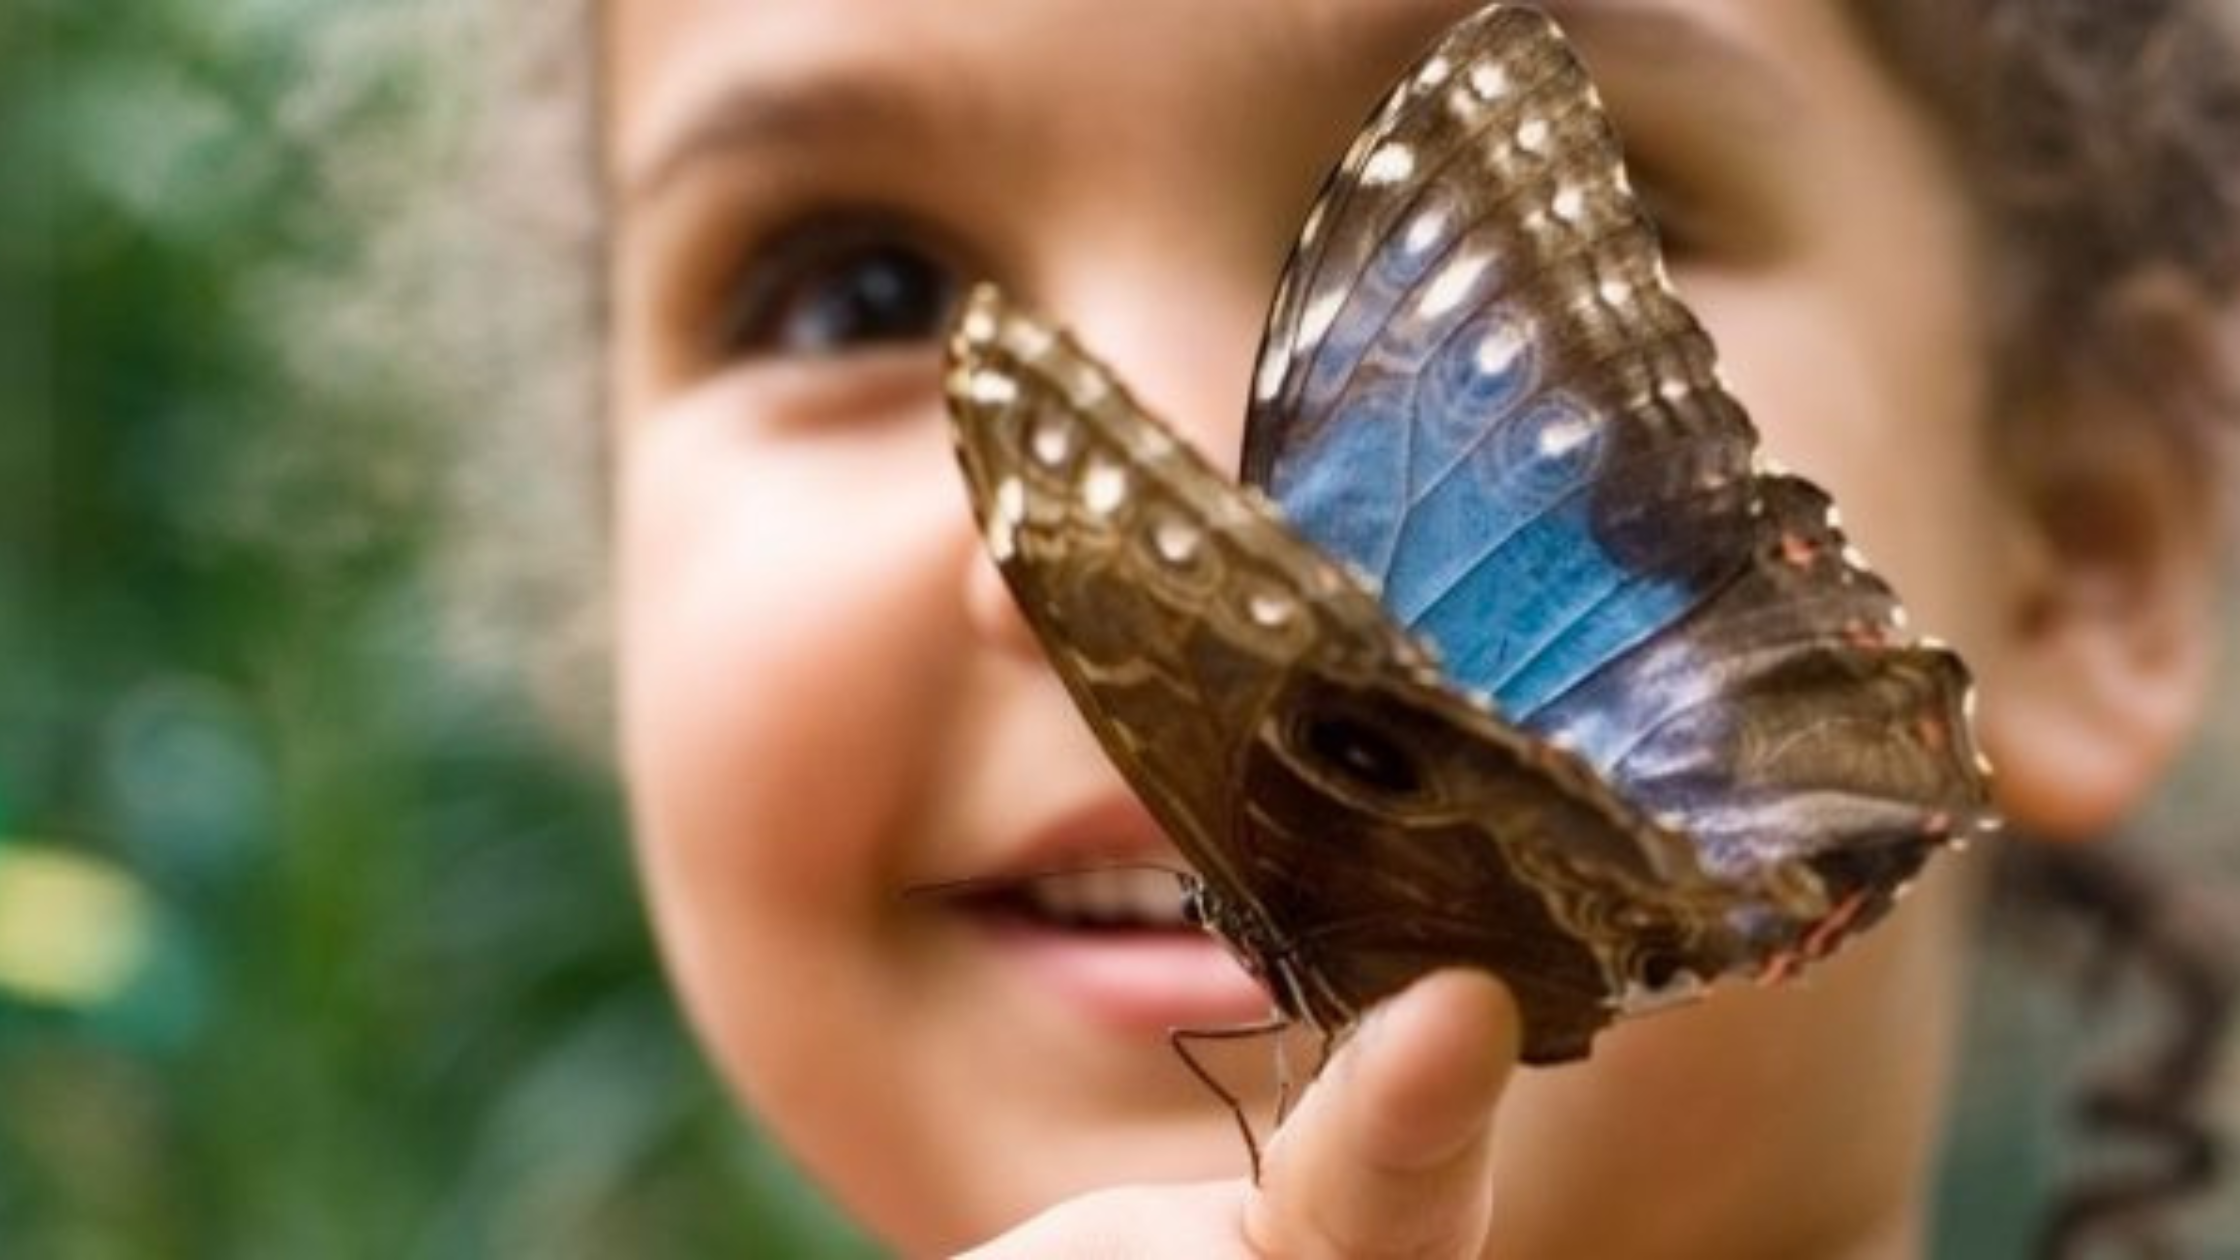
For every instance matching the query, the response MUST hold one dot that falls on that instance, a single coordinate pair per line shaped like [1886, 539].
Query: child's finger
[1389, 1154]
[1129, 1223]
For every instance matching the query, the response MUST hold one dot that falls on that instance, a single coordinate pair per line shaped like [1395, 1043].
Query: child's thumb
[1390, 1152]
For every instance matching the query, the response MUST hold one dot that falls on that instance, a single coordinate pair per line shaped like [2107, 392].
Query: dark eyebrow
[788, 111]
[796, 115]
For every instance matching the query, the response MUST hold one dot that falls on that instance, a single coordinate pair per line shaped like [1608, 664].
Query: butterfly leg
[1274, 1025]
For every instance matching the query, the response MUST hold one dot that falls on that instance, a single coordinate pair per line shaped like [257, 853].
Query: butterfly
[1511, 649]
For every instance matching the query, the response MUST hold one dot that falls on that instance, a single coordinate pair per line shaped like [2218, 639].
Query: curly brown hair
[2101, 143]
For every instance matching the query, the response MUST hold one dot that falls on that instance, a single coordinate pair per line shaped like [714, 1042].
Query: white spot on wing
[1570, 204]
[990, 387]
[1052, 440]
[1003, 523]
[1269, 379]
[1390, 164]
[1499, 348]
[1176, 540]
[1452, 285]
[1565, 436]
[1269, 609]
[1424, 231]
[1104, 488]
[1320, 314]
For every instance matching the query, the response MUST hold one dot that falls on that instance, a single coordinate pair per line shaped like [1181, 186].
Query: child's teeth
[1084, 897]
[1105, 896]
[1133, 897]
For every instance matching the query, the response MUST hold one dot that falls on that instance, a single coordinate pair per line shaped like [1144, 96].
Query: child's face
[827, 699]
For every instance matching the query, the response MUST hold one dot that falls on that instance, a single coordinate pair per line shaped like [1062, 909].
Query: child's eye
[824, 292]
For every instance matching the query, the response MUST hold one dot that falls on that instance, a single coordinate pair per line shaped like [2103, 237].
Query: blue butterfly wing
[1476, 376]
[1479, 388]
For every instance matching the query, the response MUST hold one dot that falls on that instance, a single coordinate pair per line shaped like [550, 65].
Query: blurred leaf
[395, 995]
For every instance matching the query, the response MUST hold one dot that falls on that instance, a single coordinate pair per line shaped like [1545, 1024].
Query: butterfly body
[1523, 659]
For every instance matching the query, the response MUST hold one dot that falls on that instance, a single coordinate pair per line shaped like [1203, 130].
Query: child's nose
[1179, 329]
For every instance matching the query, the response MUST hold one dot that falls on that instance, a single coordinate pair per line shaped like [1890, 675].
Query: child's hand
[1389, 1154]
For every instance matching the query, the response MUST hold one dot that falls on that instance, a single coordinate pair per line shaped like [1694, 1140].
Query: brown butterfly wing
[1356, 822]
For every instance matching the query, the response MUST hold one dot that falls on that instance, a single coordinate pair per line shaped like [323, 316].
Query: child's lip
[1131, 980]
[1112, 829]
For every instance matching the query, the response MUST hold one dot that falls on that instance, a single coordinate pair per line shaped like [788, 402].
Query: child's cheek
[789, 605]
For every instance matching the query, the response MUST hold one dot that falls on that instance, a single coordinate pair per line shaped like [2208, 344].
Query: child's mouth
[1119, 899]
[1114, 943]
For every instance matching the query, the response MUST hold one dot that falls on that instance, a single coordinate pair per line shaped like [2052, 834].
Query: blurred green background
[309, 945]
[312, 945]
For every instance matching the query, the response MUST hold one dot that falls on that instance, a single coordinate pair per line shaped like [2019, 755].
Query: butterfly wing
[1356, 821]
[1478, 386]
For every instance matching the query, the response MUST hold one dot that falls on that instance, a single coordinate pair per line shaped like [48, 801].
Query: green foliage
[361, 966]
